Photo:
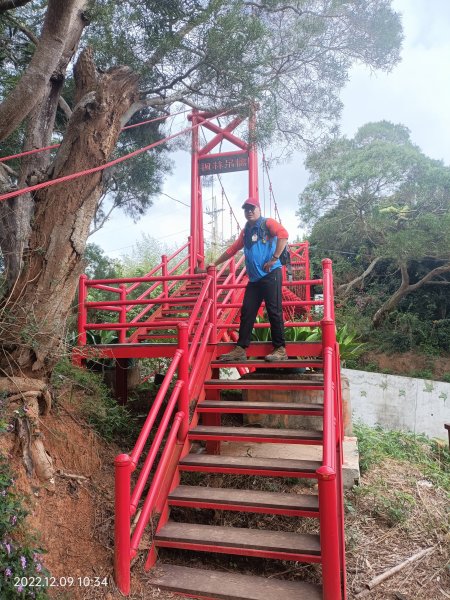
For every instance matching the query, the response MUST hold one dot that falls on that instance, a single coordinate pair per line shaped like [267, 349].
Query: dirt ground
[408, 364]
[75, 523]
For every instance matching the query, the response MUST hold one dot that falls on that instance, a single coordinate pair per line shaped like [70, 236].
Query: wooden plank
[229, 586]
[250, 464]
[254, 498]
[267, 383]
[240, 406]
[202, 431]
[262, 384]
[316, 363]
[258, 349]
[239, 538]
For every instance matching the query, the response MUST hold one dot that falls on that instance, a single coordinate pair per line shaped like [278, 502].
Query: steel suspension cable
[271, 194]
[111, 163]
[37, 150]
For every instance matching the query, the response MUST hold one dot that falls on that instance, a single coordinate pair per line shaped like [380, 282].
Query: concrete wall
[418, 405]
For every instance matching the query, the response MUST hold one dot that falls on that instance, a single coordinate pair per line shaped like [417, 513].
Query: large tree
[379, 201]
[292, 58]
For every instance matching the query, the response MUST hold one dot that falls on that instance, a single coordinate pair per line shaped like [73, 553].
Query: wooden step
[258, 349]
[314, 363]
[247, 465]
[239, 540]
[255, 434]
[266, 384]
[304, 505]
[229, 586]
[263, 408]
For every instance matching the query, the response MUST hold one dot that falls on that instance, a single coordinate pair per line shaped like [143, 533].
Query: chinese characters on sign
[224, 164]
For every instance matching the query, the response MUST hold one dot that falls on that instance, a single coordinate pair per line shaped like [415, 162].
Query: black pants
[268, 289]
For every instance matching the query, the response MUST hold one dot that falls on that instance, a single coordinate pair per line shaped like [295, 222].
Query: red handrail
[160, 474]
[197, 335]
[148, 424]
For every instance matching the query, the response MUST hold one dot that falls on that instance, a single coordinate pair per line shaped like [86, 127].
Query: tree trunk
[404, 289]
[32, 85]
[38, 306]
[16, 213]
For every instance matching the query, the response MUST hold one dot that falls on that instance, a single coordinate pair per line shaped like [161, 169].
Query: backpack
[285, 257]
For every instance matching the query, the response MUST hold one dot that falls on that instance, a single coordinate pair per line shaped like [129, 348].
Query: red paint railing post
[123, 314]
[122, 557]
[164, 273]
[253, 191]
[183, 375]
[307, 277]
[212, 271]
[328, 514]
[195, 193]
[165, 283]
[328, 325]
[82, 311]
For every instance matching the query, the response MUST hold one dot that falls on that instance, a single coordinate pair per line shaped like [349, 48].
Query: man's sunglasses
[249, 208]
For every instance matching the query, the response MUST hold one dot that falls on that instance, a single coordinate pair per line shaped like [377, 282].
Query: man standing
[263, 241]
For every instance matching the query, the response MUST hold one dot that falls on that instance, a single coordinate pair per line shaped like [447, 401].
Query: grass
[112, 421]
[429, 456]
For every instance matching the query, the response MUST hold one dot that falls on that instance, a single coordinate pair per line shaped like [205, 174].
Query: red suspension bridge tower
[190, 318]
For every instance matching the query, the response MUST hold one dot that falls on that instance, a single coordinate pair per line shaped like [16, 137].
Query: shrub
[19, 560]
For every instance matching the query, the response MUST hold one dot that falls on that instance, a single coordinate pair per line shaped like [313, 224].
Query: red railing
[193, 337]
[160, 284]
[330, 473]
[208, 321]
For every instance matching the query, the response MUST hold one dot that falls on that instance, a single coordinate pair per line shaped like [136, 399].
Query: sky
[415, 93]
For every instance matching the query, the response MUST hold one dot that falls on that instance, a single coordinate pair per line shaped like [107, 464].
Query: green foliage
[349, 345]
[112, 421]
[376, 444]
[422, 374]
[19, 554]
[100, 266]
[293, 60]
[391, 507]
[378, 197]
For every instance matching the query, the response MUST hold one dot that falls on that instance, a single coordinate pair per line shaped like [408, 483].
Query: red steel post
[307, 277]
[165, 283]
[164, 273]
[194, 194]
[82, 311]
[183, 375]
[122, 466]
[212, 271]
[253, 190]
[123, 314]
[328, 325]
[329, 527]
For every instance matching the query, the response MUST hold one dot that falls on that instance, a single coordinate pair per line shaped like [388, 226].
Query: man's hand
[269, 264]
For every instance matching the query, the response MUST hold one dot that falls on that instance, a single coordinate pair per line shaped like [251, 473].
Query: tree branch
[406, 288]
[10, 4]
[65, 107]
[346, 287]
[29, 89]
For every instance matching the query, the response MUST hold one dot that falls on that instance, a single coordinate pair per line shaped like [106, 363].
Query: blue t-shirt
[259, 248]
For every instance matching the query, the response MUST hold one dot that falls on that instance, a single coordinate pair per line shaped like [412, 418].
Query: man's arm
[276, 229]
[231, 250]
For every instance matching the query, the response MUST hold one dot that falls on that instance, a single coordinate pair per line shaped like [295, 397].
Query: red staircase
[192, 319]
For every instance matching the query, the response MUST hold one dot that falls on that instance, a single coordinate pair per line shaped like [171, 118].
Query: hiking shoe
[278, 354]
[236, 355]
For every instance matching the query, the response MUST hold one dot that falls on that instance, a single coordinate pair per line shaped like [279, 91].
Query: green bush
[112, 421]
[377, 444]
